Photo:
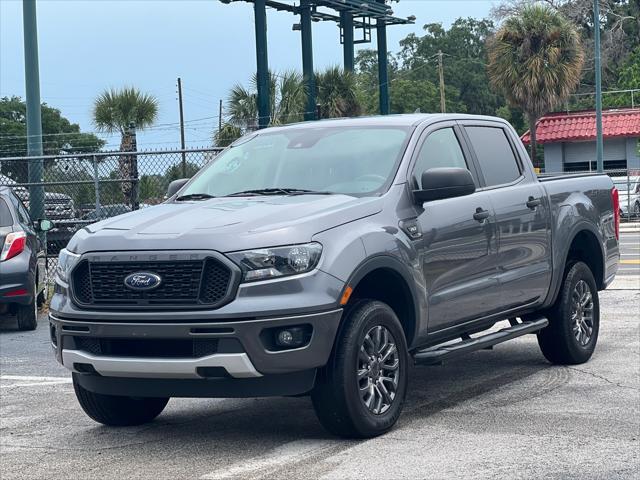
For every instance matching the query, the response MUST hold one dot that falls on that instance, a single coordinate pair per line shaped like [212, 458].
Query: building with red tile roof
[569, 139]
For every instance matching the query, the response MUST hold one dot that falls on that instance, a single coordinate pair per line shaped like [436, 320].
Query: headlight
[277, 262]
[66, 261]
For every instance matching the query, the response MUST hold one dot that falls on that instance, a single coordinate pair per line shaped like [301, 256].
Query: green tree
[228, 134]
[123, 111]
[535, 60]
[464, 62]
[337, 93]
[59, 135]
[287, 95]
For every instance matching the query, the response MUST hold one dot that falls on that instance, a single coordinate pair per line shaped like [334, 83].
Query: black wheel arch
[400, 294]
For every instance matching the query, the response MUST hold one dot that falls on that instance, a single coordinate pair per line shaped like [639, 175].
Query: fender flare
[558, 275]
[398, 267]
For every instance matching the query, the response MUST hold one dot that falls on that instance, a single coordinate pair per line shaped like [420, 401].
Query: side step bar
[439, 353]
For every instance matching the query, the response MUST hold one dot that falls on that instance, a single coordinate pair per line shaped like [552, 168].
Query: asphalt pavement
[505, 413]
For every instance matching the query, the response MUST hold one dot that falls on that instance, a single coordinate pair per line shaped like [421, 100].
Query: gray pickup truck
[326, 258]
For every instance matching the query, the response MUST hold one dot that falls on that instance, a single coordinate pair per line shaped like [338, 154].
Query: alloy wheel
[378, 370]
[582, 312]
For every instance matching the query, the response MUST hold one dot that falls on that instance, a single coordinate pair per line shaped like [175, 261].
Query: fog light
[285, 338]
[291, 337]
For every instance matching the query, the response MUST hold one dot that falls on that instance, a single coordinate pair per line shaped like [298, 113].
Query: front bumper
[253, 358]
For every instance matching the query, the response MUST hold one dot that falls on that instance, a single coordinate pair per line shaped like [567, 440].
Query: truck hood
[224, 224]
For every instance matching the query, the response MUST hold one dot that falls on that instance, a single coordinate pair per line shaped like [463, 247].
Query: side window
[495, 155]
[23, 215]
[440, 149]
[5, 215]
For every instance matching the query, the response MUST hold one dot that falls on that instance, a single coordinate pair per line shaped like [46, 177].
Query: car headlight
[66, 261]
[276, 262]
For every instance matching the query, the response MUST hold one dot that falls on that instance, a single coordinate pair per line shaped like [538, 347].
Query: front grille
[148, 348]
[203, 283]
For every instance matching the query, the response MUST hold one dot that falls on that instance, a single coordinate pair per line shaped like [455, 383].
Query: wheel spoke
[385, 393]
[391, 349]
[391, 367]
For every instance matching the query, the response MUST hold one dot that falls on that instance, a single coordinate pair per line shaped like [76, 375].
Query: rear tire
[360, 392]
[27, 315]
[118, 411]
[574, 320]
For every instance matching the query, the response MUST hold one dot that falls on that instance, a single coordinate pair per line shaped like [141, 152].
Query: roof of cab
[400, 120]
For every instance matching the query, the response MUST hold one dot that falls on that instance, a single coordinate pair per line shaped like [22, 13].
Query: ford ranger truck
[325, 258]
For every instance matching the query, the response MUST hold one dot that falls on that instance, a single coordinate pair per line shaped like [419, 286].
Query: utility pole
[599, 144]
[307, 59]
[443, 100]
[220, 116]
[34, 115]
[262, 61]
[184, 158]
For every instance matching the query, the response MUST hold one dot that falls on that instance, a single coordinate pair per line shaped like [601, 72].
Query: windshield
[348, 160]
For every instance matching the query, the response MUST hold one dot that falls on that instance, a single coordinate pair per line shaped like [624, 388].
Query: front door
[458, 245]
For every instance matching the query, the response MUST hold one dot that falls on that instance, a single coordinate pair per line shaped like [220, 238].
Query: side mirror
[439, 183]
[43, 225]
[176, 185]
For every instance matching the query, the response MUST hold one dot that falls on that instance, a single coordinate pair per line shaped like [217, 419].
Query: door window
[5, 214]
[495, 155]
[440, 149]
[23, 215]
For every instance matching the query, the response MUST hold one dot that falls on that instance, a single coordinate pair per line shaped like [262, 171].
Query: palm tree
[287, 95]
[124, 111]
[536, 60]
[337, 93]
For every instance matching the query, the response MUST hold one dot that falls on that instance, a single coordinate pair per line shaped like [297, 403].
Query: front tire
[574, 320]
[118, 411]
[360, 392]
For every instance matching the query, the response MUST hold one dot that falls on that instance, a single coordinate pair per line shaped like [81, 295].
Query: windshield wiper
[277, 191]
[194, 196]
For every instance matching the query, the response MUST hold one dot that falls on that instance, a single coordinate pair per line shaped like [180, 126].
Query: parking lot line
[28, 381]
[635, 261]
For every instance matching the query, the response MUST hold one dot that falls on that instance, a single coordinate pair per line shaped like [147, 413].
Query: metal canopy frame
[350, 15]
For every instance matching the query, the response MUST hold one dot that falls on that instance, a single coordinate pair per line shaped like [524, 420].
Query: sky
[86, 46]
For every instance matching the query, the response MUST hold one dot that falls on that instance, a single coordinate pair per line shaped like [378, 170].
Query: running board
[440, 353]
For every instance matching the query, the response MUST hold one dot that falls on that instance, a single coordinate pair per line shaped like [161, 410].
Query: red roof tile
[579, 126]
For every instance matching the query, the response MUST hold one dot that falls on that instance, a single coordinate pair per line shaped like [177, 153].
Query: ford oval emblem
[142, 281]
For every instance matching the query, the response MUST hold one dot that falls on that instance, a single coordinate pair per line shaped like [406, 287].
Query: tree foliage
[535, 61]
[59, 135]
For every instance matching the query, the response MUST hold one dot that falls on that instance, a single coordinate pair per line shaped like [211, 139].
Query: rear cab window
[495, 155]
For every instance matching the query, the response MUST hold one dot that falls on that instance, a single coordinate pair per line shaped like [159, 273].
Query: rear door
[522, 214]
[457, 251]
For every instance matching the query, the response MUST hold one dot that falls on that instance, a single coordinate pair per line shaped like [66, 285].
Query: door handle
[481, 215]
[533, 203]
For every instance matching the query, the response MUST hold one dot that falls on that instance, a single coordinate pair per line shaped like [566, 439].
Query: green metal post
[307, 59]
[34, 120]
[346, 22]
[599, 143]
[262, 61]
[383, 74]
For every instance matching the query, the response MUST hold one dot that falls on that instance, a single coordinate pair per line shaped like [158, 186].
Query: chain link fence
[86, 188]
[83, 189]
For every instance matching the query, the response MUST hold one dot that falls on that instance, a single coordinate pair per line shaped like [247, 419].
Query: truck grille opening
[157, 347]
[183, 283]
